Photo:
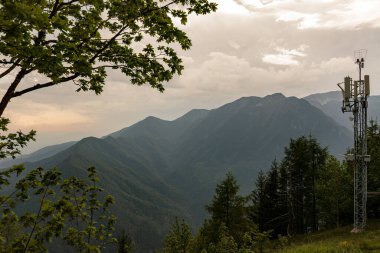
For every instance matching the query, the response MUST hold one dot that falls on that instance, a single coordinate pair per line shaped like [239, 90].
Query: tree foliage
[78, 40]
[303, 160]
[43, 206]
[334, 191]
[229, 228]
[228, 208]
[373, 204]
[307, 191]
[179, 238]
[268, 202]
[125, 243]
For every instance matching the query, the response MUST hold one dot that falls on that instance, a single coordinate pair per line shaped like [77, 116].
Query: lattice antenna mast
[355, 100]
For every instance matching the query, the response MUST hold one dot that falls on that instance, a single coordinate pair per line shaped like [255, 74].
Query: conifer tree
[228, 208]
[258, 199]
[334, 191]
[303, 160]
[179, 238]
[268, 204]
[373, 205]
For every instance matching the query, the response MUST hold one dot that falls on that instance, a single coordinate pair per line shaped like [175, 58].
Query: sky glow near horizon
[247, 48]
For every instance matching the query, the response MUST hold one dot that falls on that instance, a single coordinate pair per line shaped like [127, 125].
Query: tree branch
[8, 197]
[9, 70]
[11, 89]
[36, 221]
[68, 3]
[54, 10]
[44, 85]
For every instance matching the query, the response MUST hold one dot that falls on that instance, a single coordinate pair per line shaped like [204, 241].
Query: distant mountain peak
[153, 118]
[275, 96]
[193, 114]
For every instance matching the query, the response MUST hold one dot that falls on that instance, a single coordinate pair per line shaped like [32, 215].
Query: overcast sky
[247, 48]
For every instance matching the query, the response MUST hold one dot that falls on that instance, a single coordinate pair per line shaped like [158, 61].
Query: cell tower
[355, 95]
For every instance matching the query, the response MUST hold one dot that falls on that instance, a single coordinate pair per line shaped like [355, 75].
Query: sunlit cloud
[319, 14]
[231, 7]
[234, 45]
[304, 20]
[284, 56]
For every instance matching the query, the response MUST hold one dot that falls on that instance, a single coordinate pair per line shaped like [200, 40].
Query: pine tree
[274, 203]
[178, 239]
[303, 160]
[268, 202]
[228, 208]
[258, 199]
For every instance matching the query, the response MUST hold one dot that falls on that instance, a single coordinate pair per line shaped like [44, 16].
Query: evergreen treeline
[306, 191]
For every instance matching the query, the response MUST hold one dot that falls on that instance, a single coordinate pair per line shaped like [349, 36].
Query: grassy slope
[338, 241]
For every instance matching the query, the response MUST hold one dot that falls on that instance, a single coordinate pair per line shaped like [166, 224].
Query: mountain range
[158, 169]
[330, 103]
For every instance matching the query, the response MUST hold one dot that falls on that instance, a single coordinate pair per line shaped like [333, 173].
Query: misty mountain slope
[37, 155]
[331, 103]
[251, 132]
[244, 137]
[158, 128]
[145, 205]
[159, 169]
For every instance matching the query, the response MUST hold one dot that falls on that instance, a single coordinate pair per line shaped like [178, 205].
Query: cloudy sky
[247, 48]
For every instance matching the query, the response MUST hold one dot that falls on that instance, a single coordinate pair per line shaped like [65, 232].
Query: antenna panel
[347, 88]
[366, 83]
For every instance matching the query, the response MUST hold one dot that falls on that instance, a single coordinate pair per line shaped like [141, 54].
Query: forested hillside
[158, 169]
[308, 191]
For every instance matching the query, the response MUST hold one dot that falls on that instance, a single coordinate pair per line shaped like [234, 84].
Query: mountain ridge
[160, 169]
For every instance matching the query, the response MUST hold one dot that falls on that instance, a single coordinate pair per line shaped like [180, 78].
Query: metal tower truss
[355, 95]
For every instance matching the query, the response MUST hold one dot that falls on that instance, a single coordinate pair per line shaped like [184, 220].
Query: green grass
[337, 241]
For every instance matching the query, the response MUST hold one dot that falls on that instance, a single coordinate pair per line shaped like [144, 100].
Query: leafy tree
[221, 240]
[94, 224]
[179, 238]
[334, 191]
[125, 243]
[225, 244]
[56, 212]
[11, 143]
[79, 40]
[373, 205]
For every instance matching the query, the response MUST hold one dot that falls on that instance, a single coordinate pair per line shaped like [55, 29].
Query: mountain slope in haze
[155, 127]
[145, 204]
[331, 103]
[160, 169]
[37, 155]
[244, 137]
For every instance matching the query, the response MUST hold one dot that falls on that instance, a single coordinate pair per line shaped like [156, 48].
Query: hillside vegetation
[337, 241]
